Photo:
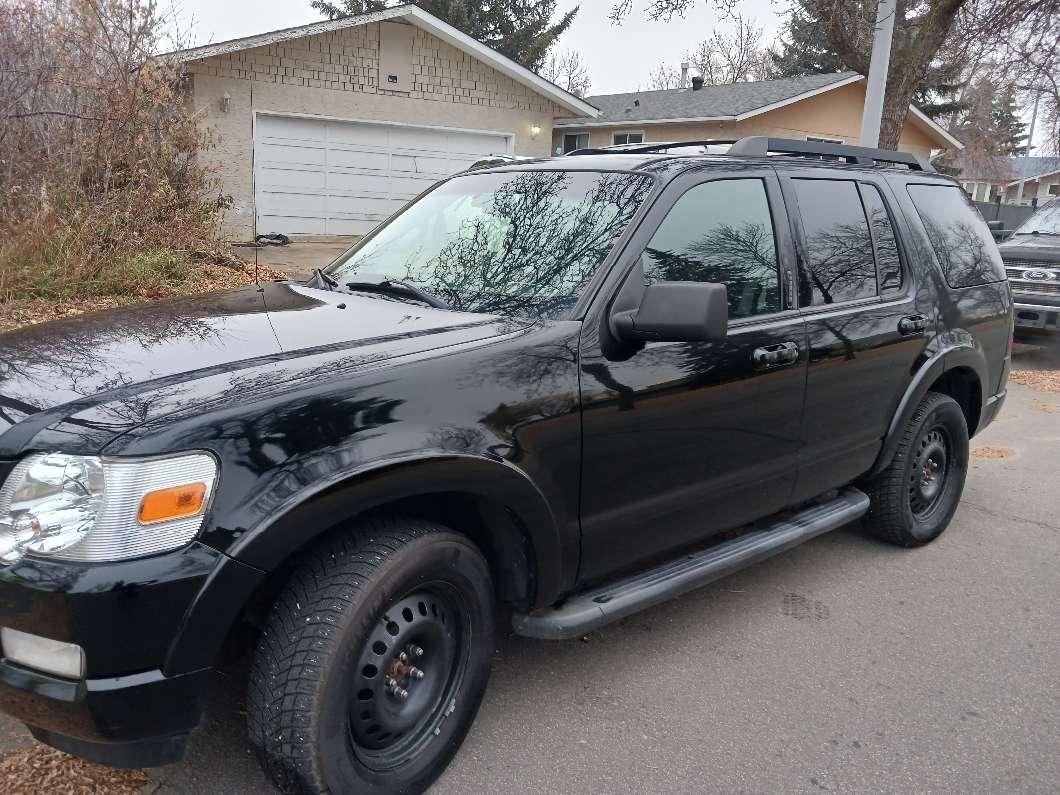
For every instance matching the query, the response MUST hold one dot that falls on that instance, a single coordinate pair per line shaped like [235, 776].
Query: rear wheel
[374, 660]
[914, 499]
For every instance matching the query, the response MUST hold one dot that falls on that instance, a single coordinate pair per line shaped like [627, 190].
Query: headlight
[98, 509]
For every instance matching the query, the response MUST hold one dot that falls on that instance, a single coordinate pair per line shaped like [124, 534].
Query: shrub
[101, 191]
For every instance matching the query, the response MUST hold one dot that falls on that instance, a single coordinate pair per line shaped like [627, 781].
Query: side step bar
[591, 610]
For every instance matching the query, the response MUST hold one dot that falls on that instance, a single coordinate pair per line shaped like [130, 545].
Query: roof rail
[648, 148]
[761, 146]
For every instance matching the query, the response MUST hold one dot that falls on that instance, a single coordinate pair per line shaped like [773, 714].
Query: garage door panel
[408, 187]
[354, 184]
[339, 178]
[358, 158]
[477, 145]
[291, 154]
[271, 177]
[302, 204]
[416, 140]
[293, 225]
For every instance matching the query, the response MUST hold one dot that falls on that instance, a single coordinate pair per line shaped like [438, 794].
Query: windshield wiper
[324, 280]
[395, 287]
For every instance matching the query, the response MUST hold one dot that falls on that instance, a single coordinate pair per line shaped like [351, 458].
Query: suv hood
[51, 370]
[1037, 248]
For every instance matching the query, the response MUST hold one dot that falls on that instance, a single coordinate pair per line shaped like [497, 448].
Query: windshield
[521, 243]
[1045, 222]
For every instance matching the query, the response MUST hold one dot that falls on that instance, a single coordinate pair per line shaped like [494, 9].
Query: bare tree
[734, 57]
[662, 77]
[567, 70]
[1023, 35]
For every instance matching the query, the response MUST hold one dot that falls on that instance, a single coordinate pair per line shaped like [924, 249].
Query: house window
[627, 138]
[572, 141]
[1054, 190]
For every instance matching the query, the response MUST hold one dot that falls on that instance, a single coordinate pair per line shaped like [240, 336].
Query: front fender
[324, 505]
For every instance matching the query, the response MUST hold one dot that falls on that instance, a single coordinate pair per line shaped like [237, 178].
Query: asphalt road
[845, 665]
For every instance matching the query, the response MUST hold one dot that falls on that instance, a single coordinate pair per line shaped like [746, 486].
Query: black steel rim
[931, 466]
[409, 670]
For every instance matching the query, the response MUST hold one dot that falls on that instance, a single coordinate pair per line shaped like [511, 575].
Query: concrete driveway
[845, 665]
[297, 258]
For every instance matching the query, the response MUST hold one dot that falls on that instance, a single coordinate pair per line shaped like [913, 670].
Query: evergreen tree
[804, 50]
[1010, 132]
[523, 30]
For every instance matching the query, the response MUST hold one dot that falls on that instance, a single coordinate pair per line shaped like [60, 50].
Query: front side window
[521, 243]
[628, 138]
[962, 241]
[720, 232]
[838, 263]
[572, 141]
[888, 262]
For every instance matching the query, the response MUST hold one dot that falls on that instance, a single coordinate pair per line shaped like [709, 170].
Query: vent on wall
[395, 56]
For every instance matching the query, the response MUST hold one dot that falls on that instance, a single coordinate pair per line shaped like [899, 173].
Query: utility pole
[879, 64]
[1030, 144]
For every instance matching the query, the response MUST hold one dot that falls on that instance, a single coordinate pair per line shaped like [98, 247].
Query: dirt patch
[41, 770]
[993, 452]
[1041, 380]
[14, 314]
[1048, 408]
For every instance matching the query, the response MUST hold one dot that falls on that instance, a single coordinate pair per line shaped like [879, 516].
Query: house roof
[1033, 167]
[415, 16]
[731, 102]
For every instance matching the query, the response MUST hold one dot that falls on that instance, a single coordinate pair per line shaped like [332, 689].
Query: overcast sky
[620, 58]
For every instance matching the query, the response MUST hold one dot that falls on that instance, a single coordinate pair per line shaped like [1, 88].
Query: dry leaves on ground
[993, 452]
[41, 770]
[14, 314]
[1042, 380]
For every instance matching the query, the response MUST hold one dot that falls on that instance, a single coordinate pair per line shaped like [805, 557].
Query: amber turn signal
[172, 503]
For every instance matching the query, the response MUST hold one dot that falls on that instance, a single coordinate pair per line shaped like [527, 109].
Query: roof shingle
[708, 102]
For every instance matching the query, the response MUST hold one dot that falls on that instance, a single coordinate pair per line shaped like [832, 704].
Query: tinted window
[888, 262]
[838, 264]
[959, 235]
[720, 232]
[519, 243]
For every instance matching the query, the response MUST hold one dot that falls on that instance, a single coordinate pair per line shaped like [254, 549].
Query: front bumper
[129, 710]
[1037, 311]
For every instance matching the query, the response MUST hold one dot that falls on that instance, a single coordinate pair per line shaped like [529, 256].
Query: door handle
[779, 355]
[912, 324]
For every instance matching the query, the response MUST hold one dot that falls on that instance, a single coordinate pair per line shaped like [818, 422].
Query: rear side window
[888, 262]
[838, 263]
[960, 237]
[720, 232]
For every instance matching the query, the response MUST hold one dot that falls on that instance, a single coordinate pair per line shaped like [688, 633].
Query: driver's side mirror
[669, 311]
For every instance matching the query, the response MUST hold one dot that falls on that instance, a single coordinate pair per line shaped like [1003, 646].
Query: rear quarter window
[958, 234]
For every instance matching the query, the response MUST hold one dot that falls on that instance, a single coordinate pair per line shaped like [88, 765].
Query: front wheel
[374, 660]
[915, 497]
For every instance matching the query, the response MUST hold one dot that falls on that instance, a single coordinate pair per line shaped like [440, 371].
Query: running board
[591, 610]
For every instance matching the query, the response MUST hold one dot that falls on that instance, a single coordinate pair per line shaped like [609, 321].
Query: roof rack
[646, 149]
[762, 146]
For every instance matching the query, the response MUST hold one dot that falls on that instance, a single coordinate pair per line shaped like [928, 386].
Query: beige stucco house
[327, 128]
[818, 107]
[1010, 180]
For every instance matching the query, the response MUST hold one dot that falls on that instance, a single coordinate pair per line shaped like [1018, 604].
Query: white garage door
[315, 177]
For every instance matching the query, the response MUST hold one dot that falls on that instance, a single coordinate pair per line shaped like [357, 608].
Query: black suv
[574, 387]
[1032, 261]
